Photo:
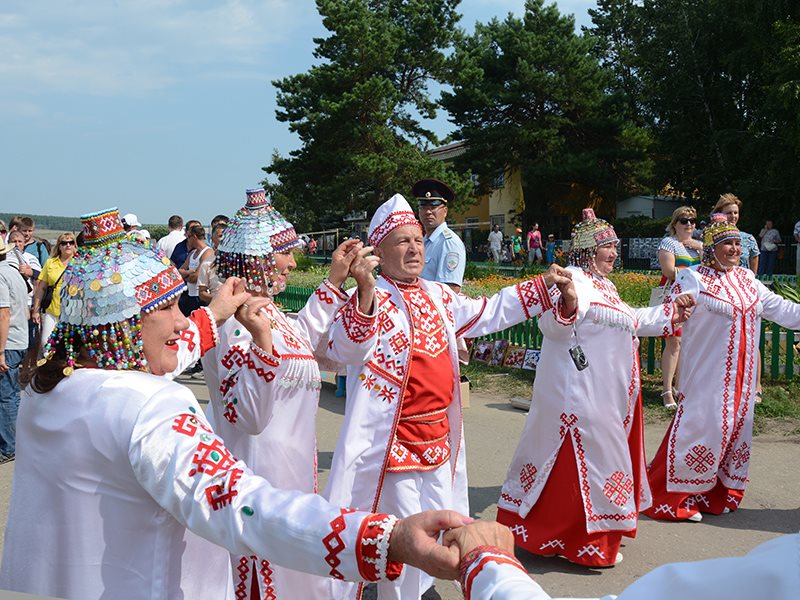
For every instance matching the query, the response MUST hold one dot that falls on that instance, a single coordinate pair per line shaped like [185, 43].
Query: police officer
[445, 255]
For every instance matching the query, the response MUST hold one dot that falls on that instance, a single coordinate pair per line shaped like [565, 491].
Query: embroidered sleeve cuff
[475, 560]
[336, 291]
[534, 297]
[559, 314]
[372, 548]
[207, 327]
[272, 360]
[358, 326]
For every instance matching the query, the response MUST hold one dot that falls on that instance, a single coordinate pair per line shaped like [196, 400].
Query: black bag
[47, 299]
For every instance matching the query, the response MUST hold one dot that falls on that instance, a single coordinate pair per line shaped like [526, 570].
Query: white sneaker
[726, 510]
[696, 517]
[618, 559]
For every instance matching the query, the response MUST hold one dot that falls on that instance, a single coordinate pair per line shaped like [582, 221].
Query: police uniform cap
[428, 190]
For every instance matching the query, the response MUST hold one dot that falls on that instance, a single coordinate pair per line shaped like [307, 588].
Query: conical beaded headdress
[717, 231]
[253, 235]
[587, 235]
[109, 282]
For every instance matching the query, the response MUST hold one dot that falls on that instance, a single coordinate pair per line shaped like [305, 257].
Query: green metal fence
[776, 344]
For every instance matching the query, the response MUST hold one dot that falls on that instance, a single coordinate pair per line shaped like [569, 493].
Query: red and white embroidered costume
[770, 570]
[114, 466]
[264, 406]
[377, 461]
[703, 460]
[577, 479]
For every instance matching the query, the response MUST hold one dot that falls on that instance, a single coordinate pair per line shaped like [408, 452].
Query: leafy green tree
[358, 112]
[712, 81]
[529, 94]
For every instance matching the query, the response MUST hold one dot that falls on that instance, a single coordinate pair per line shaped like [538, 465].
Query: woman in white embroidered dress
[703, 461]
[577, 480]
[264, 403]
[116, 462]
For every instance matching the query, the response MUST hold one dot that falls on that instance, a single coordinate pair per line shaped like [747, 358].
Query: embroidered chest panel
[734, 288]
[430, 336]
[607, 308]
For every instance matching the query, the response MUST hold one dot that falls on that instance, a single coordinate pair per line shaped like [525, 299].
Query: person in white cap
[401, 447]
[133, 228]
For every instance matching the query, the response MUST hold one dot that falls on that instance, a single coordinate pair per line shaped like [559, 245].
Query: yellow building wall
[506, 201]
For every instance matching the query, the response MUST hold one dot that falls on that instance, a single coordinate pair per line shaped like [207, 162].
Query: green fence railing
[776, 343]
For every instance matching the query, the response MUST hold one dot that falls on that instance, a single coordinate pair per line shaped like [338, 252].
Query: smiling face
[16, 238]
[284, 264]
[66, 246]
[161, 329]
[731, 211]
[728, 253]
[605, 258]
[402, 254]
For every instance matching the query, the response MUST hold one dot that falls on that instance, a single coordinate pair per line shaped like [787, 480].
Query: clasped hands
[415, 541]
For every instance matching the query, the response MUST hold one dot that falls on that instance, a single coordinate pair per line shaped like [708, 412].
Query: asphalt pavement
[771, 506]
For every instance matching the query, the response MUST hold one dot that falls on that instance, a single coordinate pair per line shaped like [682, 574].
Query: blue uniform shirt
[445, 256]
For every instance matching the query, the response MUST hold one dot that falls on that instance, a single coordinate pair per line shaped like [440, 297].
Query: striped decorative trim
[269, 359]
[372, 551]
[474, 561]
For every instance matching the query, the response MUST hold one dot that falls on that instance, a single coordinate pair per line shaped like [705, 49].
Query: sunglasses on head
[687, 220]
[67, 243]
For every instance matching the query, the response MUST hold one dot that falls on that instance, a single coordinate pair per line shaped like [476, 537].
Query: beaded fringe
[719, 307]
[301, 373]
[609, 317]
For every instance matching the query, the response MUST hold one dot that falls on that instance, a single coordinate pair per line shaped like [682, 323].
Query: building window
[471, 223]
[498, 220]
[499, 181]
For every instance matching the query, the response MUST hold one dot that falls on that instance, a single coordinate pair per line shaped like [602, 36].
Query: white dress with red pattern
[264, 406]
[591, 417]
[112, 470]
[704, 458]
[378, 350]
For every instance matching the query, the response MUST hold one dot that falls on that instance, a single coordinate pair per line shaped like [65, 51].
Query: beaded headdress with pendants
[587, 235]
[718, 230]
[255, 233]
[108, 284]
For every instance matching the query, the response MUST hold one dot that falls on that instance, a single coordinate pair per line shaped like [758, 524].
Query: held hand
[479, 533]
[252, 315]
[228, 298]
[414, 542]
[569, 299]
[3, 365]
[684, 306]
[556, 275]
[364, 263]
[36, 317]
[341, 260]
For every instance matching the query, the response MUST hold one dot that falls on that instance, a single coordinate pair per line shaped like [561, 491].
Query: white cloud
[137, 46]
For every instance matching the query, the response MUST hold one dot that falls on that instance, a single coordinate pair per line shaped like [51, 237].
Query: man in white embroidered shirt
[401, 445]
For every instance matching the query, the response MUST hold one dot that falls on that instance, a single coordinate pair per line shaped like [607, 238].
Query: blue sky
[155, 106]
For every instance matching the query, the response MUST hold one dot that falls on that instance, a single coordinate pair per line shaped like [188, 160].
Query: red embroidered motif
[699, 458]
[359, 328]
[266, 579]
[211, 458]
[508, 498]
[568, 423]
[741, 456]
[323, 296]
[235, 357]
[399, 342]
[242, 589]
[187, 335]
[387, 394]
[230, 413]
[368, 381]
[157, 287]
[334, 544]
[527, 475]
[218, 497]
[618, 488]
[187, 424]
